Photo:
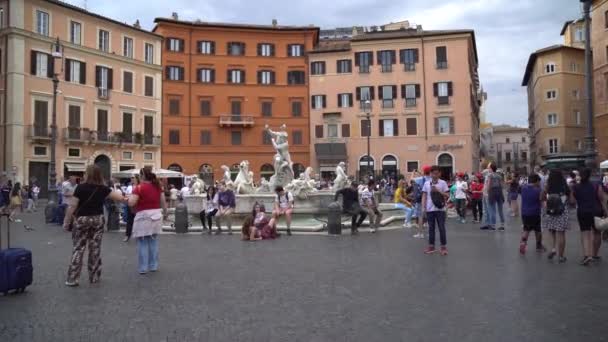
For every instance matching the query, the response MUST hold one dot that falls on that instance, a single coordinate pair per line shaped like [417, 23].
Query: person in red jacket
[476, 191]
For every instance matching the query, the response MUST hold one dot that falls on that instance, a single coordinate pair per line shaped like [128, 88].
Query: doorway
[39, 174]
[446, 164]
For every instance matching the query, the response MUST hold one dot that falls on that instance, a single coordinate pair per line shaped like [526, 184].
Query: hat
[426, 169]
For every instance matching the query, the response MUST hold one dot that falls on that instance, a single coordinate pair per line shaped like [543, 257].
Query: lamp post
[369, 133]
[590, 152]
[56, 54]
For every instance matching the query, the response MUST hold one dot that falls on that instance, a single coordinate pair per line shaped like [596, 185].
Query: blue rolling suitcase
[16, 271]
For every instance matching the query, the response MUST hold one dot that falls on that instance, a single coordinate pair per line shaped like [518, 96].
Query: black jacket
[350, 198]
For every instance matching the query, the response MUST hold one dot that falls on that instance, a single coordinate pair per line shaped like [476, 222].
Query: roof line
[534, 55]
[231, 25]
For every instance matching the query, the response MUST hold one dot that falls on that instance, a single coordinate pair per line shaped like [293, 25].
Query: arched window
[234, 171]
[205, 172]
[298, 169]
[267, 171]
[389, 166]
[364, 170]
[175, 167]
[177, 182]
[446, 163]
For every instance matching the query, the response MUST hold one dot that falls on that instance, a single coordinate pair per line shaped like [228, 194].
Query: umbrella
[160, 173]
[604, 164]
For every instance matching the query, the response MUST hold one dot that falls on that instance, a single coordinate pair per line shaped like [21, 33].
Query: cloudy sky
[507, 30]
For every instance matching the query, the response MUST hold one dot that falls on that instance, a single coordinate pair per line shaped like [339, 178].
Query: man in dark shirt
[351, 206]
[227, 204]
[531, 213]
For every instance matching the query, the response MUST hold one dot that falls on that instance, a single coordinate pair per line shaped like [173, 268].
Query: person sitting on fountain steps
[350, 206]
[226, 203]
[283, 205]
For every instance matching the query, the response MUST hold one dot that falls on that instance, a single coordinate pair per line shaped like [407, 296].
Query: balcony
[150, 140]
[442, 65]
[101, 137]
[103, 93]
[39, 133]
[75, 135]
[561, 149]
[236, 121]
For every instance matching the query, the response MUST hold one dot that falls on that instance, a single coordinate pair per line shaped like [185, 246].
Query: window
[75, 33]
[523, 139]
[389, 128]
[319, 131]
[175, 73]
[507, 156]
[74, 152]
[345, 100]
[205, 108]
[266, 108]
[366, 128]
[1, 17]
[332, 131]
[265, 50]
[266, 138]
[577, 118]
[551, 94]
[579, 35]
[444, 125]
[174, 137]
[206, 47]
[149, 86]
[235, 138]
[235, 107]
[296, 108]
[206, 75]
[319, 101]
[236, 49]
[296, 77]
[317, 68]
[75, 71]
[345, 130]
[41, 118]
[442, 57]
[524, 156]
[386, 59]
[205, 137]
[364, 94]
[104, 40]
[344, 66]
[443, 91]
[295, 50]
[149, 53]
[576, 94]
[363, 60]
[266, 77]
[606, 19]
[42, 64]
[297, 137]
[127, 47]
[127, 155]
[104, 78]
[411, 126]
[175, 44]
[412, 166]
[173, 107]
[127, 82]
[411, 92]
[409, 58]
[127, 127]
[553, 147]
[387, 94]
[39, 150]
[42, 23]
[508, 140]
[550, 68]
[102, 125]
[236, 76]
[552, 119]
[148, 155]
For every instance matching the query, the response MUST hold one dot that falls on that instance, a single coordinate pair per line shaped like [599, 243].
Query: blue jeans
[500, 206]
[437, 219]
[408, 211]
[147, 251]
[490, 211]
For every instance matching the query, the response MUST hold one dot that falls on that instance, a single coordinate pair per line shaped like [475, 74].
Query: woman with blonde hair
[149, 201]
[89, 220]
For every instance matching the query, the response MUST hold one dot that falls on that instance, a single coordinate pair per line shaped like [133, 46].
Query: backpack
[287, 199]
[495, 193]
[555, 205]
[437, 198]
[417, 192]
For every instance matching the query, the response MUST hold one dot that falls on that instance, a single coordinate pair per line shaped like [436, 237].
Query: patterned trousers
[87, 231]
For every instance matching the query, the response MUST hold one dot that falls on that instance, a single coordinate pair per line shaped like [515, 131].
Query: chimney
[137, 25]
[174, 16]
[419, 28]
[355, 31]
[274, 23]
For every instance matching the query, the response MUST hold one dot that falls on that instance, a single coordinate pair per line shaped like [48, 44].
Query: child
[530, 213]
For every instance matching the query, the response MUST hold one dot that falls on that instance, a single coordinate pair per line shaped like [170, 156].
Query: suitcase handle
[8, 229]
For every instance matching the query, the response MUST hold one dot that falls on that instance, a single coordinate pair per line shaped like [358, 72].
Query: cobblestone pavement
[311, 288]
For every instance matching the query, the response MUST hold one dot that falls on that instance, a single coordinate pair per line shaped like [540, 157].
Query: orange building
[222, 84]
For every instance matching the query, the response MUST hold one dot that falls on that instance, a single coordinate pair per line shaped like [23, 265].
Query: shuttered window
[174, 137]
[205, 108]
[411, 126]
[296, 108]
[149, 86]
[442, 57]
[297, 137]
[127, 82]
[319, 131]
[173, 107]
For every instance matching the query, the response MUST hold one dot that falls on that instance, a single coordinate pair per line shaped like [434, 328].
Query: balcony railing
[236, 120]
[565, 149]
[364, 69]
[103, 93]
[409, 67]
[442, 65]
[75, 134]
[388, 104]
[443, 100]
[410, 103]
[39, 133]
[386, 68]
[151, 140]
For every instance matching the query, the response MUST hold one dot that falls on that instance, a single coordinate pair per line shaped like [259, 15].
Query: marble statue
[243, 183]
[341, 180]
[283, 166]
[227, 179]
[197, 186]
[303, 186]
[264, 187]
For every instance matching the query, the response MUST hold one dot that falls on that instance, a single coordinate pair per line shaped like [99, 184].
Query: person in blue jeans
[435, 193]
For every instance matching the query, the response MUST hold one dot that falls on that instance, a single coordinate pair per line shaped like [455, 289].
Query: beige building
[423, 93]
[509, 148]
[109, 100]
[599, 43]
[555, 80]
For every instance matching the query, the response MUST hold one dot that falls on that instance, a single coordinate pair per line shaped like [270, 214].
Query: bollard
[334, 219]
[113, 217]
[181, 218]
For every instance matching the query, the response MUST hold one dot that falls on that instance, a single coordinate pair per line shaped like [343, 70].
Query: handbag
[80, 205]
[601, 224]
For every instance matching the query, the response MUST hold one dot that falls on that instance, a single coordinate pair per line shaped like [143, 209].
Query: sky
[507, 31]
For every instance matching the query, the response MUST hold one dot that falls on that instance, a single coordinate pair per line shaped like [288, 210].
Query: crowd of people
[15, 198]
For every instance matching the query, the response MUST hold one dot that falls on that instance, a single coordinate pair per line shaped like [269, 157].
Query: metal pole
[369, 133]
[52, 204]
[590, 152]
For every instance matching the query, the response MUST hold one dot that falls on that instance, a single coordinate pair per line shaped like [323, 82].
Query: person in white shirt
[435, 193]
[172, 196]
[67, 190]
[184, 192]
[283, 206]
[461, 197]
[368, 203]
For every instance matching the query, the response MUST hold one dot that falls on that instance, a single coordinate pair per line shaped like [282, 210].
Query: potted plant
[139, 138]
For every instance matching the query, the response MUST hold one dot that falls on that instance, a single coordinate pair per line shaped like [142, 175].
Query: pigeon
[28, 228]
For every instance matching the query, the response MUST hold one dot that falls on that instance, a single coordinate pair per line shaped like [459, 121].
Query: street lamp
[590, 152]
[368, 105]
[56, 54]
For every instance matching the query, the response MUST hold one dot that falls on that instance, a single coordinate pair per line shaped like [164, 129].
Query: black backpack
[555, 205]
[437, 198]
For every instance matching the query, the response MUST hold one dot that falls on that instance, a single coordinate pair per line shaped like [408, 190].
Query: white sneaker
[416, 236]
[407, 225]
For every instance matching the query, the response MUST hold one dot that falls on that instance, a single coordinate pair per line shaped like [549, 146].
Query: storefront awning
[75, 167]
[331, 151]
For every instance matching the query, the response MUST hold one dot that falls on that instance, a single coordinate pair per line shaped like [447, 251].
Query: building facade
[223, 84]
[420, 89]
[109, 99]
[509, 148]
[599, 43]
[555, 79]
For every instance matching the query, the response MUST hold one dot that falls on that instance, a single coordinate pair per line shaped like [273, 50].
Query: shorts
[531, 223]
[586, 221]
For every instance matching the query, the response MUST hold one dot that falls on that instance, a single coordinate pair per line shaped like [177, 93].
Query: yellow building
[599, 43]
